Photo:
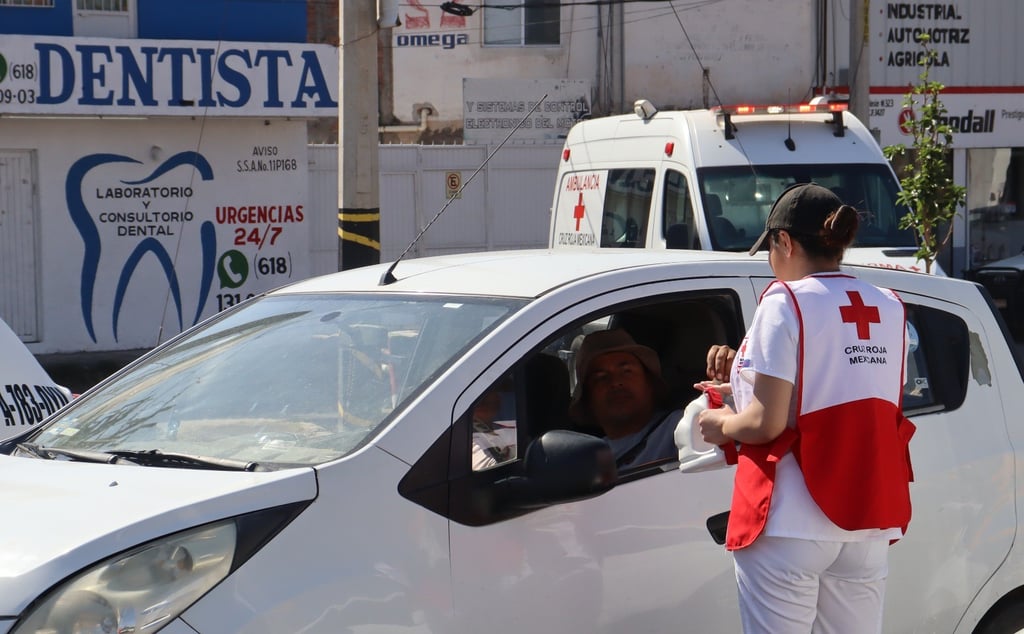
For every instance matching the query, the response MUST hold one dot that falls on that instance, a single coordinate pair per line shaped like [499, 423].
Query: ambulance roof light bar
[835, 108]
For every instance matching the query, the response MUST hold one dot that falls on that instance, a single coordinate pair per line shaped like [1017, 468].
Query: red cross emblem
[858, 313]
[579, 211]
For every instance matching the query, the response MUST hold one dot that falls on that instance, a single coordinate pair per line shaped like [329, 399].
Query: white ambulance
[706, 179]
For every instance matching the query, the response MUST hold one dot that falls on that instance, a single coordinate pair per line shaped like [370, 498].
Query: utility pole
[358, 169]
[860, 64]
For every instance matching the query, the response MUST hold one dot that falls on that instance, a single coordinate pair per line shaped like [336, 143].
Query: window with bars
[111, 6]
[534, 23]
[26, 3]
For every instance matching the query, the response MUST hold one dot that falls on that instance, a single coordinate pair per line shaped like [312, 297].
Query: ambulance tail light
[565, 154]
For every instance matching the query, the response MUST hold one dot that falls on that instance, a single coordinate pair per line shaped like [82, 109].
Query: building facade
[441, 68]
[677, 55]
[153, 163]
[981, 64]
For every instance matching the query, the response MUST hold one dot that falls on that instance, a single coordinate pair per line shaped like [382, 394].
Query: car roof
[531, 273]
[515, 273]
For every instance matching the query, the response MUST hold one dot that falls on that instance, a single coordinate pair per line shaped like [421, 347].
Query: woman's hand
[720, 358]
[725, 389]
[711, 422]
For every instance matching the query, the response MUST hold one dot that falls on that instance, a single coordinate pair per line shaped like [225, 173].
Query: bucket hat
[604, 342]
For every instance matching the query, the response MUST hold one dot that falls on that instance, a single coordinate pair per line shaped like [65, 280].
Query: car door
[637, 558]
[963, 493]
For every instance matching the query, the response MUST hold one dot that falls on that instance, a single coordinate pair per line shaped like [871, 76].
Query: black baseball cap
[802, 209]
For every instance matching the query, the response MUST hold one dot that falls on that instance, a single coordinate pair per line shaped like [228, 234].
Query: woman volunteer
[822, 483]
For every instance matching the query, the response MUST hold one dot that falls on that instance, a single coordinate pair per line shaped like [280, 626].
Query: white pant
[791, 586]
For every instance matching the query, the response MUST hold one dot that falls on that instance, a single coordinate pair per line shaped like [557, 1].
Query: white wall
[506, 206]
[755, 51]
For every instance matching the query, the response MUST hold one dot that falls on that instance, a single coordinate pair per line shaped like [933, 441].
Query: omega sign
[148, 77]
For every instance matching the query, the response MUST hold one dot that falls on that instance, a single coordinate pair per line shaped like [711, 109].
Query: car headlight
[139, 590]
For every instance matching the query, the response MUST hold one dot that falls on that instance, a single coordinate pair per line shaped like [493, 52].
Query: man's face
[619, 396]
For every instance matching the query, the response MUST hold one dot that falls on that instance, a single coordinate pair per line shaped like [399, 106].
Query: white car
[303, 463]
[27, 393]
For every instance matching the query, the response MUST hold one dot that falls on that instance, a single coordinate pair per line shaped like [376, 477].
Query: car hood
[45, 538]
[1013, 262]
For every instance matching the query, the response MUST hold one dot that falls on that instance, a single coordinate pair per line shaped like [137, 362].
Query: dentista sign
[88, 76]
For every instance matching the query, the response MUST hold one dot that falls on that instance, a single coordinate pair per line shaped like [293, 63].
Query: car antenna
[789, 142]
[388, 277]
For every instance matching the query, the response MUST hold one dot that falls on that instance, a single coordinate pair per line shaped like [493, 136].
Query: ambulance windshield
[737, 200]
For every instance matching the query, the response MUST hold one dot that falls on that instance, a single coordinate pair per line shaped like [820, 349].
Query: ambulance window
[627, 206]
[678, 227]
[938, 361]
[743, 197]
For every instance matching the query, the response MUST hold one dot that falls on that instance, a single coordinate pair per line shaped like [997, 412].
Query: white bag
[695, 454]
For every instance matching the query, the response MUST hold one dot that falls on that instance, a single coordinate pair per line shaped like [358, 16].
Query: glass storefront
[995, 182]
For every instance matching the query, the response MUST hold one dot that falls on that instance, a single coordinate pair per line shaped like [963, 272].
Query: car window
[493, 421]
[539, 393]
[938, 361]
[286, 380]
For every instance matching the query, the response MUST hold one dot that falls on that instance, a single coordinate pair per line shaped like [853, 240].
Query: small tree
[928, 188]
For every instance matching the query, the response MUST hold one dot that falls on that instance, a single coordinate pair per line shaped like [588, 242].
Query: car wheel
[1008, 620]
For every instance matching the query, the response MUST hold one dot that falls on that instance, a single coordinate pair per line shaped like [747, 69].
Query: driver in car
[620, 390]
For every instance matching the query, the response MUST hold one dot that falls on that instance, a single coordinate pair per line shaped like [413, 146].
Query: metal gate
[506, 206]
[18, 243]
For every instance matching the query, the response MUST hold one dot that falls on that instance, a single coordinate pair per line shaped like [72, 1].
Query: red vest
[851, 439]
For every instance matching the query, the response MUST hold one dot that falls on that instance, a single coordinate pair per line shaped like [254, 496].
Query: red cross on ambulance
[858, 313]
[579, 211]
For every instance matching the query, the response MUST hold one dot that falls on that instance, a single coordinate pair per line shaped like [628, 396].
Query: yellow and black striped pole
[358, 151]
[359, 237]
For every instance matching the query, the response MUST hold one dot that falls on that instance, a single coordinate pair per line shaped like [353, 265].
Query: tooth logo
[87, 228]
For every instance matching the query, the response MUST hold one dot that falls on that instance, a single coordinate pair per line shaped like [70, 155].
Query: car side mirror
[561, 466]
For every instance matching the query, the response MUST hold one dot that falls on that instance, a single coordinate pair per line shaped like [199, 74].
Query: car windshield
[737, 200]
[283, 381]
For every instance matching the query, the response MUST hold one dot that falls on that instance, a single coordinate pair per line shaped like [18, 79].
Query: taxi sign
[27, 393]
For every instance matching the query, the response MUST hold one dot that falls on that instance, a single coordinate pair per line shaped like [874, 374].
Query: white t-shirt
[770, 348]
